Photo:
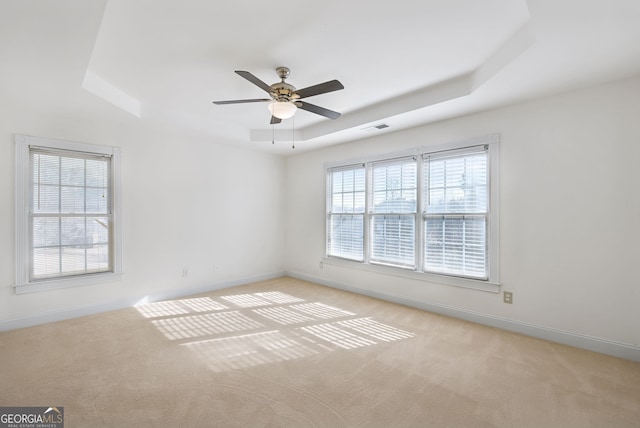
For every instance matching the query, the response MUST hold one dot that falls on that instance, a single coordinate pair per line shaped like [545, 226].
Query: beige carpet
[286, 353]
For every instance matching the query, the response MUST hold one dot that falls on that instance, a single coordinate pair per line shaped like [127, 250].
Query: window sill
[74, 281]
[488, 286]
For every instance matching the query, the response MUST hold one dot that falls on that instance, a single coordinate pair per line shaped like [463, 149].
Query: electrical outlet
[321, 264]
[508, 297]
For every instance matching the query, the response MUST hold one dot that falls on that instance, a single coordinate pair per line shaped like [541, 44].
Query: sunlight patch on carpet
[279, 297]
[321, 310]
[247, 300]
[247, 330]
[338, 336]
[179, 307]
[376, 330]
[204, 325]
[283, 316]
[249, 350]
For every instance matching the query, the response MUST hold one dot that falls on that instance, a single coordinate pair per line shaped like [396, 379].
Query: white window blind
[346, 212]
[70, 215]
[456, 212]
[393, 212]
[428, 213]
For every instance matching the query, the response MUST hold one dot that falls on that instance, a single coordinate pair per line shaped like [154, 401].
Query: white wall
[569, 216]
[212, 208]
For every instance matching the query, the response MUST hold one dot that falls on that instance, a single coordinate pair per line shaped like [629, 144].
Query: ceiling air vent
[374, 127]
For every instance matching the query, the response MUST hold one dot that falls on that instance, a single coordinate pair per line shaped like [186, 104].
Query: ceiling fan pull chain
[293, 132]
[273, 132]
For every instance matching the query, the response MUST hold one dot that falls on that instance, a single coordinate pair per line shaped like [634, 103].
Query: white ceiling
[402, 63]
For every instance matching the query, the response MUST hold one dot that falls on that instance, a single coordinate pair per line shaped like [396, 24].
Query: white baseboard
[616, 349]
[81, 311]
[603, 346]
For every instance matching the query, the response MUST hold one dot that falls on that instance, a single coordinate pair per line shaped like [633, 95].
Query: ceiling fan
[285, 98]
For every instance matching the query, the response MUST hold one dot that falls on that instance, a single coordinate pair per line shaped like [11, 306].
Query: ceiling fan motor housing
[283, 91]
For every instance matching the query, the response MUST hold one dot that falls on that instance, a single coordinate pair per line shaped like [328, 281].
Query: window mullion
[59, 215]
[84, 204]
[419, 226]
[367, 212]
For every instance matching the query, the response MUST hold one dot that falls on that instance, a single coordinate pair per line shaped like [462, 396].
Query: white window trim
[369, 214]
[492, 284]
[22, 282]
[474, 284]
[329, 214]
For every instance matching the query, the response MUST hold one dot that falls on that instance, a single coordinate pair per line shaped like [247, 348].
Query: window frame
[492, 282]
[446, 155]
[330, 213]
[372, 213]
[23, 195]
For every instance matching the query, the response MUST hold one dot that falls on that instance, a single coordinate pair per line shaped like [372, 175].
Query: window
[346, 213]
[393, 212]
[65, 213]
[456, 212]
[432, 213]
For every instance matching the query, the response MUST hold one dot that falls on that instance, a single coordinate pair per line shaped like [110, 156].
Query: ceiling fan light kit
[285, 98]
[282, 109]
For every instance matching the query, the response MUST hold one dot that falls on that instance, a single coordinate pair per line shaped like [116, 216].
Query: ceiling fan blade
[253, 79]
[321, 88]
[255, 100]
[318, 110]
[275, 120]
